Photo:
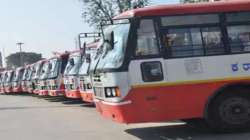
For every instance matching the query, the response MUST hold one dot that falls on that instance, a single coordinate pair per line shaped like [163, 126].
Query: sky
[43, 26]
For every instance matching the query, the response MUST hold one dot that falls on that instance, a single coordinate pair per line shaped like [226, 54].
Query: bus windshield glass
[29, 76]
[114, 46]
[17, 75]
[73, 65]
[10, 74]
[54, 68]
[37, 70]
[25, 74]
[44, 71]
[84, 69]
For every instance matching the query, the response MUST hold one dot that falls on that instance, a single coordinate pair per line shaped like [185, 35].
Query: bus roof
[192, 8]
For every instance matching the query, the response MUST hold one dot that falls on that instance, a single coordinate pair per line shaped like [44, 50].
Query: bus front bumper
[43, 93]
[55, 93]
[74, 94]
[30, 90]
[36, 91]
[87, 96]
[17, 90]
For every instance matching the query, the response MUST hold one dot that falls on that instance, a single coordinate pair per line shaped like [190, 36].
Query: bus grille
[99, 92]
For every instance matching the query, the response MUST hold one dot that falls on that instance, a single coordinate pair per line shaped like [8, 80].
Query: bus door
[147, 66]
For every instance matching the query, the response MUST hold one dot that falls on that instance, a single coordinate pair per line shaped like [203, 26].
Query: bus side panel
[163, 103]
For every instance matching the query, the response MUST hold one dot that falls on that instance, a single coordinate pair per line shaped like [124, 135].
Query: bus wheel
[230, 112]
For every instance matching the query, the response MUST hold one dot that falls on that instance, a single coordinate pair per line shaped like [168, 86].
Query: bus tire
[230, 111]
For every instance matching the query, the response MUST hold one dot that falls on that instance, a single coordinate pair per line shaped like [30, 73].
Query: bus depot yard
[186, 62]
[29, 117]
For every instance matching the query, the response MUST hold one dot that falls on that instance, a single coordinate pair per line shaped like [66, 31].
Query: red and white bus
[8, 81]
[31, 75]
[35, 80]
[42, 86]
[55, 83]
[78, 66]
[184, 61]
[86, 88]
[2, 75]
[71, 74]
[17, 79]
[24, 78]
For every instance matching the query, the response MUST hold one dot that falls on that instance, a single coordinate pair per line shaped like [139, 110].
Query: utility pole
[20, 49]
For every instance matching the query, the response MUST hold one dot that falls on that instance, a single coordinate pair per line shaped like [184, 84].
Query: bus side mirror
[110, 40]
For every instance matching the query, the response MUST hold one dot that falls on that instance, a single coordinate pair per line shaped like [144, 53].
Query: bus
[71, 75]
[177, 62]
[77, 65]
[35, 79]
[86, 88]
[24, 78]
[2, 82]
[55, 82]
[42, 86]
[8, 81]
[16, 82]
[30, 84]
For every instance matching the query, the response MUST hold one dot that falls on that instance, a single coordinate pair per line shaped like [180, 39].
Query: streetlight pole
[20, 49]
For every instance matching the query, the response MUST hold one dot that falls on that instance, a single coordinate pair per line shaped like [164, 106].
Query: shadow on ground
[182, 132]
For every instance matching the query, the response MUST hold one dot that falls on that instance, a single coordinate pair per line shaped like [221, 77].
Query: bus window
[189, 20]
[184, 42]
[212, 38]
[238, 17]
[239, 38]
[146, 39]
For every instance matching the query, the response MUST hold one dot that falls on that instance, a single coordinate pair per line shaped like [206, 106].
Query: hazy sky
[43, 25]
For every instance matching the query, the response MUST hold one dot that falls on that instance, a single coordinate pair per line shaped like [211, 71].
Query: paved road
[23, 117]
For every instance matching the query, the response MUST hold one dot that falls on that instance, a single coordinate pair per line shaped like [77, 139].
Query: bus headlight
[111, 92]
[108, 92]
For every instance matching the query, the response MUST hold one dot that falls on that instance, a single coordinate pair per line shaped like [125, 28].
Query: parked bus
[184, 61]
[43, 90]
[8, 82]
[75, 64]
[31, 75]
[55, 78]
[86, 88]
[35, 79]
[2, 82]
[24, 78]
[71, 74]
[17, 79]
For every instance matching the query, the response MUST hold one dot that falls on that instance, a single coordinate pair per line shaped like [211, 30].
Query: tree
[96, 11]
[13, 60]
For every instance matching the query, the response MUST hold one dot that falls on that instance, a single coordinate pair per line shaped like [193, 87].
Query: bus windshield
[54, 68]
[25, 74]
[73, 65]
[29, 76]
[10, 74]
[17, 75]
[44, 71]
[37, 70]
[114, 45]
[84, 69]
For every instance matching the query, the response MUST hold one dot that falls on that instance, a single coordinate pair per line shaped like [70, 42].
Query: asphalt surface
[25, 117]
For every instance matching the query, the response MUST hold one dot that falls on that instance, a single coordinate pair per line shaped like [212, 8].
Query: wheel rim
[235, 110]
